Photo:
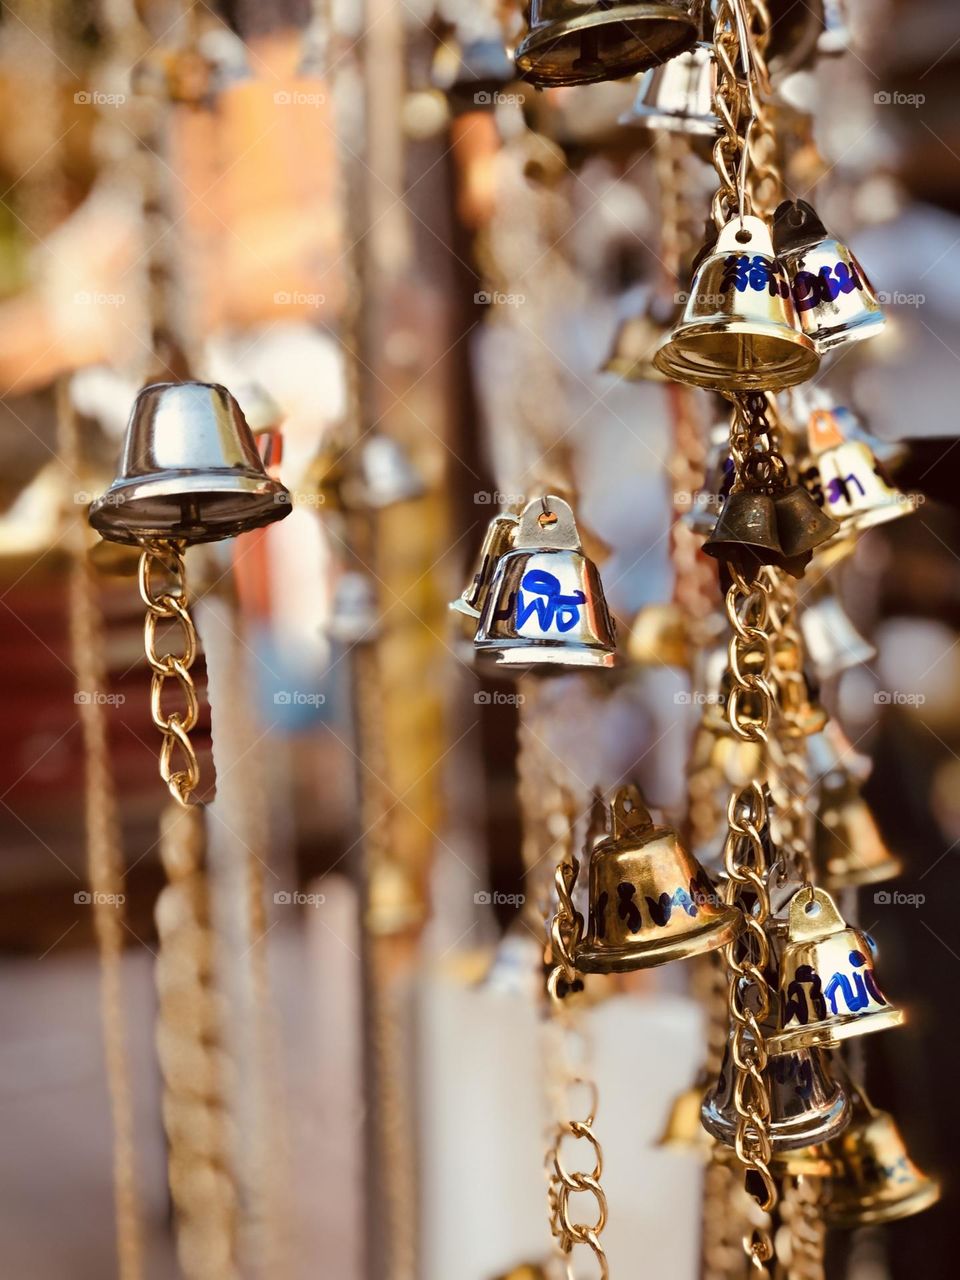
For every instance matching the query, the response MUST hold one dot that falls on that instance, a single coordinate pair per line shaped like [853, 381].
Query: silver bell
[832, 642]
[387, 475]
[189, 471]
[677, 97]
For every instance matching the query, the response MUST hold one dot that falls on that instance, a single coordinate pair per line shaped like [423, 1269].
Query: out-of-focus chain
[788, 744]
[170, 603]
[730, 105]
[765, 179]
[804, 1229]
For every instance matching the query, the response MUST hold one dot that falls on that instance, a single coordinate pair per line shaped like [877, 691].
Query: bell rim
[783, 1139]
[887, 1210]
[763, 379]
[534, 41]
[875, 873]
[724, 928]
[116, 521]
[465, 610]
[650, 118]
[498, 654]
[892, 509]
[825, 1035]
[829, 339]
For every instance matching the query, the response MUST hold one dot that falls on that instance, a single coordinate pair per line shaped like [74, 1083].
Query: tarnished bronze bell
[189, 471]
[650, 900]
[677, 97]
[545, 607]
[746, 531]
[497, 541]
[872, 1178]
[846, 478]
[834, 300]
[827, 988]
[848, 848]
[798, 704]
[582, 41]
[739, 330]
[832, 642]
[802, 525]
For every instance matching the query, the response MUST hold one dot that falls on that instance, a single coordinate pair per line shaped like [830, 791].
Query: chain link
[170, 603]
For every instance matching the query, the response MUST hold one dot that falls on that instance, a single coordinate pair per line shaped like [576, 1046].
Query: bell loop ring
[187, 719]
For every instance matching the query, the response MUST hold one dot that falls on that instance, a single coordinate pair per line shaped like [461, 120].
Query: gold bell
[658, 637]
[847, 479]
[739, 330]
[828, 991]
[636, 341]
[797, 703]
[872, 1178]
[497, 541]
[189, 471]
[683, 1130]
[582, 41]
[807, 1105]
[831, 640]
[835, 301]
[677, 97]
[848, 847]
[650, 900]
[545, 606]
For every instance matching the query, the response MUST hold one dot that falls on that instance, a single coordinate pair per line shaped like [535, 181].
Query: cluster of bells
[650, 901]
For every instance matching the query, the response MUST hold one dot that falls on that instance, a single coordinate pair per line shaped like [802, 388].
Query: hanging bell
[677, 97]
[872, 1178]
[812, 399]
[798, 704]
[828, 991]
[637, 338]
[497, 541]
[834, 300]
[739, 330]
[650, 901]
[582, 41]
[830, 639]
[386, 475]
[847, 479]
[658, 637]
[683, 1130]
[354, 612]
[189, 471]
[545, 606]
[848, 848]
[746, 532]
[807, 1105]
[802, 525]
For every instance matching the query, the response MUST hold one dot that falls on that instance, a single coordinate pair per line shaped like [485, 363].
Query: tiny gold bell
[650, 900]
[497, 541]
[739, 330]
[636, 341]
[545, 606]
[582, 41]
[683, 1130]
[799, 707]
[677, 97]
[848, 847]
[835, 301]
[827, 988]
[189, 471]
[846, 478]
[872, 1178]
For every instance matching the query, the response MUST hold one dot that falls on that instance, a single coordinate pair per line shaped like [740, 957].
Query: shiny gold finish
[582, 41]
[804, 712]
[650, 901]
[848, 847]
[828, 991]
[658, 637]
[497, 541]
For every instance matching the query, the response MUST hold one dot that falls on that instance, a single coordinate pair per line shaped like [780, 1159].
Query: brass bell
[545, 606]
[683, 1130]
[807, 1105]
[746, 531]
[802, 525]
[848, 848]
[797, 702]
[827, 988]
[650, 900]
[497, 541]
[872, 1178]
[834, 300]
[845, 476]
[677, 97]
[830, 639]
[658, 637]
[582, 41]
[189, 471]
[637, 338]
[739, 330]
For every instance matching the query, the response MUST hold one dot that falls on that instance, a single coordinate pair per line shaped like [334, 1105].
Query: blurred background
[336, 213]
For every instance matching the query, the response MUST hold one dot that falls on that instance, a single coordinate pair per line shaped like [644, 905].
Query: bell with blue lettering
[545, 608]
[827, 988]
[835, 301]
[845, 477]
[739, 329]
[650, 900]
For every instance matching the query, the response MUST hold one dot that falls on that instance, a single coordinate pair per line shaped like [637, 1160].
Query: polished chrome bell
[650, 900]
[497, 541]
[739, 330]
[827, 988]
[189, 471]
[658, 637]
[545, 607]
[582, 41]
[637, 338]
[834, 300]
[846, 478]
[848, 848]
[832, 642]
[807, 1105]
[872, 1178]
[677, 97]
[386, 474]
[798, 704]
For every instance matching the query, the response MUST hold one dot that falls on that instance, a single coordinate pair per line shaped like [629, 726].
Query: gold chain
[728, 101]
[805, 1228]
[170, 604]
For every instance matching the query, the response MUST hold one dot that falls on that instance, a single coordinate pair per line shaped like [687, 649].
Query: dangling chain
[788, 743]
[171, 603]
[805, 1227]
[729, 104]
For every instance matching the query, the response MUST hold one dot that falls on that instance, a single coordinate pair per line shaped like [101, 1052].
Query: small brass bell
[746, 532]
[739, 330]
[807, 1105]
[802, 525]
[848, 848]
[683, 1130]
[545, 606]
[636, 341]
[497, 541]
[872, 1178]
[658, 637]
[650, 900]
[847, 479]
[831, 640]
[189, 471]
[828, 991]
[797, 703]
[677, 97]
[582, 41]
[835, 301]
